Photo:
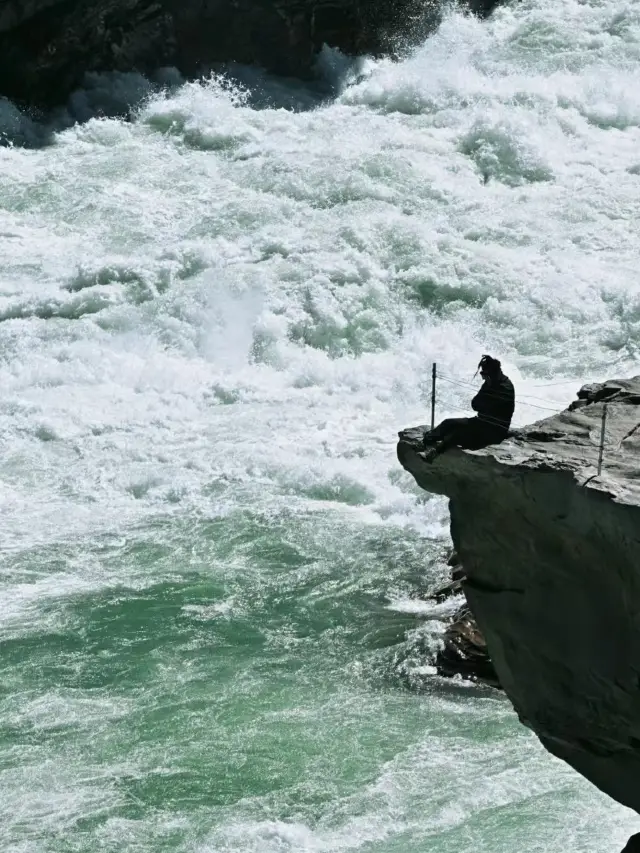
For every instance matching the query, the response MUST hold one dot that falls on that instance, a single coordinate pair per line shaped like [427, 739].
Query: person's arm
[479, 401]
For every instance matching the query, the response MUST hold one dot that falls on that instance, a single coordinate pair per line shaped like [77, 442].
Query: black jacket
[495, 401]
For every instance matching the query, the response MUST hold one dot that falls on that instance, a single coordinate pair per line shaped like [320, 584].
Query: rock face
[551, 553]
[46, 46]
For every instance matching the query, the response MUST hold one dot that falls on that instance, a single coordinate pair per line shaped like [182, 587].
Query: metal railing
[525, 398]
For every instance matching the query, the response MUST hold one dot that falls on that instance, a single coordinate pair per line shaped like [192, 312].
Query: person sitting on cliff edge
[494, 404]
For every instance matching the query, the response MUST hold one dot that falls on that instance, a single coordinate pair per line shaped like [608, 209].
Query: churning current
[214, 319]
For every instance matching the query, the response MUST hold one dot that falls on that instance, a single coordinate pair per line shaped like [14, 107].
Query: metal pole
[433, 396]
[604, 426]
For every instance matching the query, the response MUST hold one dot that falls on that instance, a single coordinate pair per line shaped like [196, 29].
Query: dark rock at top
[47, 46]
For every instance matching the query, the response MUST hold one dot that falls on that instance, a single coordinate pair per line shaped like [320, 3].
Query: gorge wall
[47, 46]
[551, 553]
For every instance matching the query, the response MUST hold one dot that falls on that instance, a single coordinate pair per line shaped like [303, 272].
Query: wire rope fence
[581, 451]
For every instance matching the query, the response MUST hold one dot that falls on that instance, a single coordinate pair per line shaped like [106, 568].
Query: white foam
[217, 307]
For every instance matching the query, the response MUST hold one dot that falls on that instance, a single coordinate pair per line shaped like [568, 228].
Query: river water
[215, 318]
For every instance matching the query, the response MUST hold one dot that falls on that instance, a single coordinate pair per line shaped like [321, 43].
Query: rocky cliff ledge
[46, 46]
[551, 553]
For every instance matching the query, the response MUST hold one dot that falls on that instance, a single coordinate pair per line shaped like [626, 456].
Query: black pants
[469, 433]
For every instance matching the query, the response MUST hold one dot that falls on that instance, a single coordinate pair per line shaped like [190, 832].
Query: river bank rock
[47, 46]
[551, 553]
[464, 651]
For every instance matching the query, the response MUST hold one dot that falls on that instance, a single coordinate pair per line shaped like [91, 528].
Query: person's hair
[488, 364]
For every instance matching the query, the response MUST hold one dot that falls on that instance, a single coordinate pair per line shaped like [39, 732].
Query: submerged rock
[551, 553]
[47, 46]
[454, 585]
[465, 651]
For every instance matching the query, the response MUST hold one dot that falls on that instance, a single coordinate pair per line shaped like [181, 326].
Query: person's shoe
[429, 455]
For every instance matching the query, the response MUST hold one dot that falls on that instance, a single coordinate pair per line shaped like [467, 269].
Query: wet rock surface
[464, 652]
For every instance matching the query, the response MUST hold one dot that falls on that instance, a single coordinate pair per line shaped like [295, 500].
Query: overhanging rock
[551, 554]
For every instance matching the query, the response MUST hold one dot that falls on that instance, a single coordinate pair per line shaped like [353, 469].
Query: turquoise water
[215, 319]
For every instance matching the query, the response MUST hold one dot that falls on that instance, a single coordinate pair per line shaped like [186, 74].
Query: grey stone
[551, 553]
